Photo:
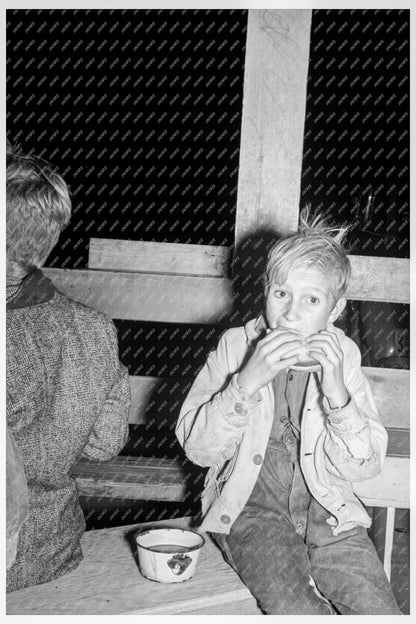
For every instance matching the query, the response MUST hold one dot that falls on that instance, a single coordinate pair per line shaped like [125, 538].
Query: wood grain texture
[148, 297]
[205, 300]
[379, 279]
[108, 581]
[390, 386]
[274, 102]
[166, 258]
[138, 478]
[389, 489]
[167, 479]
[391, 390]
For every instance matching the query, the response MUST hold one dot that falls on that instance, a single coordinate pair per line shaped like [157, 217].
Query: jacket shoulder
[349, 347]
[82, 312]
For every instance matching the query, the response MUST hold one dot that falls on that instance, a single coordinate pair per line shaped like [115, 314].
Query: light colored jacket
[220, 428]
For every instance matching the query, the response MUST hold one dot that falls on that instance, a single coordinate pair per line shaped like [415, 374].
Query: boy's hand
[326, 349]
[277, 351]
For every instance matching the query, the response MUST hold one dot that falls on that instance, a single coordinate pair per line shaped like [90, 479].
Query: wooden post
[274, 103]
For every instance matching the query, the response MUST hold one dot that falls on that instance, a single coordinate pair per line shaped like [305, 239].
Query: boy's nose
[291, 312]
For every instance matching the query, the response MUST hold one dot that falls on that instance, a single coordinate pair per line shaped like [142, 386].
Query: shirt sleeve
[110, 429]
[215, 413]
[356, 441]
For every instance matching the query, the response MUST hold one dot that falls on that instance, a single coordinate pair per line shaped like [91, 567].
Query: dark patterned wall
[356, 148]
[140, 111]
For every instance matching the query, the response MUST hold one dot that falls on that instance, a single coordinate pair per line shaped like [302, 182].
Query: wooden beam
[391, 389]
[167, 258]
[373, 278]
[273, 117]
[154, 478]
[390, 386]
[389, 489]
[148, 297]
[186, 299]
[138, 478]
[379, 279]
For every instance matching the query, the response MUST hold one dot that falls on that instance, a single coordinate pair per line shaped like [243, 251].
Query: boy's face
[304, 302]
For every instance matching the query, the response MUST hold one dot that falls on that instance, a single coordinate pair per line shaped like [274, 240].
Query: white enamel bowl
[168, 555]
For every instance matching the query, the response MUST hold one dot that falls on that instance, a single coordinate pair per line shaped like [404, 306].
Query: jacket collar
[35, 289]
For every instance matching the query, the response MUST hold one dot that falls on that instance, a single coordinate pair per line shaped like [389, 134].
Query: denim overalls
[281, 540]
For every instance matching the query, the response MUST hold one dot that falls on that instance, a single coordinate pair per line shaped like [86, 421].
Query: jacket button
[225, 519]
[238, 408]
[300, 530]
[257, 459]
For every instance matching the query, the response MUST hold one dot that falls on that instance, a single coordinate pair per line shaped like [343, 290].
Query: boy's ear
[337, 309]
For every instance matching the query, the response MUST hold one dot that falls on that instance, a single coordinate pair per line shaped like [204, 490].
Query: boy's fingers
[324, 342]
[287, 350]
[325, 348]
[325, 335]
[289, 361]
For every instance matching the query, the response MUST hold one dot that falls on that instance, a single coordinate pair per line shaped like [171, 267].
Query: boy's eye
[314, 300]
[279, 293]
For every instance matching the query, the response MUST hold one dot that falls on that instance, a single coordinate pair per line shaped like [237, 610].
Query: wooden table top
[108, 581]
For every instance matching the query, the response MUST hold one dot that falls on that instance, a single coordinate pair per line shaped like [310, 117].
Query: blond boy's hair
[316, 245]
[38, 207]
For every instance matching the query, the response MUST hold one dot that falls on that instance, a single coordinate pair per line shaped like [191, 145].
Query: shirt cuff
[344, 420]
[240, 394]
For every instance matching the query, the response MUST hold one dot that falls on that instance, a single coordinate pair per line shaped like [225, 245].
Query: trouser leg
[351, 575]
[272, 561]
[347, 569]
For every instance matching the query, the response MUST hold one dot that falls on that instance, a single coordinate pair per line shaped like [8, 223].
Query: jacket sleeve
[356, 441]
[110, 429]
[215, 413]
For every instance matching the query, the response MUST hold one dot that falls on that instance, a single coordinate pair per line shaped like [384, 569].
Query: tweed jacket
[67, 397]
[221, 428]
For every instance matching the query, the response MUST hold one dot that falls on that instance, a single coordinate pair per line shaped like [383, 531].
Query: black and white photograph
[207, 327]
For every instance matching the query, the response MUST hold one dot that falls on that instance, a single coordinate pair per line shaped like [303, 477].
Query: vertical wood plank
[274, 104]
[388, 545]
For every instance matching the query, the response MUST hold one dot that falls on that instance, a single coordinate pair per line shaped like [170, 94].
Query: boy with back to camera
[285, 419]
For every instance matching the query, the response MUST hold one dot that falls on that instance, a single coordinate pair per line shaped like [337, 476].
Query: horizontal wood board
[373, 278]
[188, 299]
[167, 258]
[148, 296]
[167, 479]
[390, 386]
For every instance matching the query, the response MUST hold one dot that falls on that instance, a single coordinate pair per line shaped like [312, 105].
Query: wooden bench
[108, 581]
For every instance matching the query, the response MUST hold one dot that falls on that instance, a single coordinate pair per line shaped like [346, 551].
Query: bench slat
[148, 296]
[391, 388]
[139, 478]
[185, 299]
[150, 257]
[168, 480]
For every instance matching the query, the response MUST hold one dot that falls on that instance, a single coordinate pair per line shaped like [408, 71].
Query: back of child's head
[315, 245]
[38, 207]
